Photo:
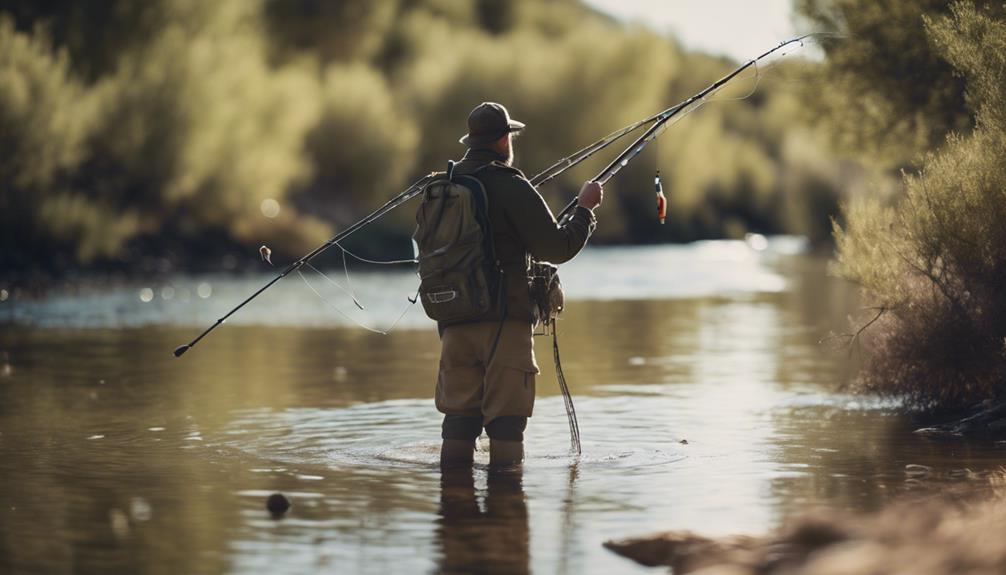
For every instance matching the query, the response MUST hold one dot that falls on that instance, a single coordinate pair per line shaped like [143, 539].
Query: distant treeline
[184, 130]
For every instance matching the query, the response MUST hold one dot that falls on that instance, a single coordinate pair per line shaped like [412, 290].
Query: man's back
[523, 226]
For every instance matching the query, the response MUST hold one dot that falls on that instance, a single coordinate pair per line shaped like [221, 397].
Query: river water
[705, 399]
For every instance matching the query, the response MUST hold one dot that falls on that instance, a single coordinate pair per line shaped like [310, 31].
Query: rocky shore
[960, 532]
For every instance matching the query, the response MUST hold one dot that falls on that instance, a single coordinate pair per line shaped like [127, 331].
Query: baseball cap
[487, 123]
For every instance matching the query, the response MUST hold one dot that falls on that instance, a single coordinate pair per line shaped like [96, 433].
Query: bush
[936, 259]
[362, 148]
[185, 141]
[47, 117]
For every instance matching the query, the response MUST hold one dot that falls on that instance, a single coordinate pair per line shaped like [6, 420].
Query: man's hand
[591, 195]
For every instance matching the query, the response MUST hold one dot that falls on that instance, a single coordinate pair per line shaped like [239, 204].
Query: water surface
[705, 400]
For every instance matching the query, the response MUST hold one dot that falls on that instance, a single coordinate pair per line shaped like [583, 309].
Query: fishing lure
[661, 198]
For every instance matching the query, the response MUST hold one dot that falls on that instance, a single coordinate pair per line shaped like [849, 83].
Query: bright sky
[741, 29]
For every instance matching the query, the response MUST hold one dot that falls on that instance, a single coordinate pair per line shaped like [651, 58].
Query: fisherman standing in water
[487, 365]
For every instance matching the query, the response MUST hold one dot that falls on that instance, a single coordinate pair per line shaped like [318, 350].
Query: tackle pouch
[547, 298]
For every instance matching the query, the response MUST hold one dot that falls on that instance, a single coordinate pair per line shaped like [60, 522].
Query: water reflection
[718, 412]
[493, 537]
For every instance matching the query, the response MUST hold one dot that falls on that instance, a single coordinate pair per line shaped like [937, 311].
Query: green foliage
[937, 257]
[93, 32]
[47, 118]
[190, 134]
[220, 131]
[343, 30]
[885, 91]
[175, 127]
[362, 148]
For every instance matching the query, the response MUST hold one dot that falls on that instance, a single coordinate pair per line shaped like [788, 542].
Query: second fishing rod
[660, 122]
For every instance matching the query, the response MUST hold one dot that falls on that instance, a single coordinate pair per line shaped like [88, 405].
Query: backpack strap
[498, 165]
[501, 296]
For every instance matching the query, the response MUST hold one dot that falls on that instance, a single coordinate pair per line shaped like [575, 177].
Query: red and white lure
[661, 198]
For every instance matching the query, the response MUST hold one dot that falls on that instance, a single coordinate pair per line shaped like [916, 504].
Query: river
[706, 401]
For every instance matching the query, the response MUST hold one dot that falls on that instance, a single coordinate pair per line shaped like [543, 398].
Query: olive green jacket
[523, 227]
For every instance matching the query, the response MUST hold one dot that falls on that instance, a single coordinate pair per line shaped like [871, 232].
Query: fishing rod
[412, 191]
[568, 162]
[658, 121]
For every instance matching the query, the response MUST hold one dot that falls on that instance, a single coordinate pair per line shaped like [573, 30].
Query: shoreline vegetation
[932, 260]
[178, 132]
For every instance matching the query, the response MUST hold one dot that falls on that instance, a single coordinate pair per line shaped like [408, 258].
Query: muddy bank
[951, 533]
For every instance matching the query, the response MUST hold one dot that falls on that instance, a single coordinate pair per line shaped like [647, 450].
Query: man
[479, 387]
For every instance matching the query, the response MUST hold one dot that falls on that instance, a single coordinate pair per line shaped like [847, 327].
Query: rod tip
[181, 349]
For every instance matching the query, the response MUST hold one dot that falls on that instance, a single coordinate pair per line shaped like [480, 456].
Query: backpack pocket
[456, 295]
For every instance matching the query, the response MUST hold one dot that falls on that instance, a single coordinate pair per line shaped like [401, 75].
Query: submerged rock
[277, 504]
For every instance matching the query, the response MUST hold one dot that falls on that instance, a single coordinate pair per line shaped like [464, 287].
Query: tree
[885, 90]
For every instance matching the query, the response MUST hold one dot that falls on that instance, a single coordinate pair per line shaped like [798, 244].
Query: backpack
[459, 277]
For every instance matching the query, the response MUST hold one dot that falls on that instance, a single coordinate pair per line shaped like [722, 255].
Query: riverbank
[957, 531]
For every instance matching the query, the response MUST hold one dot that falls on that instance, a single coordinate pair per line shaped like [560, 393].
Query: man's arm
[537, 228]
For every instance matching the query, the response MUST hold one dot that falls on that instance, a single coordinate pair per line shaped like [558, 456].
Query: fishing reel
[547, 298]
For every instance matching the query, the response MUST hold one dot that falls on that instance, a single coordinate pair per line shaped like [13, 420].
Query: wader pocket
[459, 390]
[509, 392]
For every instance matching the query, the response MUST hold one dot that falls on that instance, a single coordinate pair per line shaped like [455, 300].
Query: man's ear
[503, 143]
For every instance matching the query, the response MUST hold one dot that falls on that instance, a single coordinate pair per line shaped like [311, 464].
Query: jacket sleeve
[537, 228]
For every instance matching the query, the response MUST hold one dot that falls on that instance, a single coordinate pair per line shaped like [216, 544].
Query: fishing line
[567, 399]
[348, 288]
[337, 308]
[346, 315]
[757, 82]
[349, 284]
[412, 301]
[376, 262]
[386, 331]
[760, 71]
[335, 283]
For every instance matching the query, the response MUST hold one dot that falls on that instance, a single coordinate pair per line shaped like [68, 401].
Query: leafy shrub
[937, 257]
[361, 149]
[47, 117]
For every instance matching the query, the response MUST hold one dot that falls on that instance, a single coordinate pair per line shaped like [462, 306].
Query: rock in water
[277, 504]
